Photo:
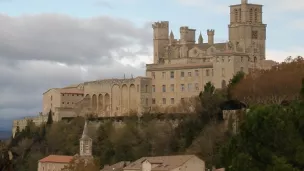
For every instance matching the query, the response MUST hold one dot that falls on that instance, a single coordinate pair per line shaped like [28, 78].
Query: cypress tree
[302, 90]
[50, 118]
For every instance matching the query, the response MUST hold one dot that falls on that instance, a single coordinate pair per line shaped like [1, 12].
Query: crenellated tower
[187, 35]
[247, 29]
[210, 34]
[160, 39]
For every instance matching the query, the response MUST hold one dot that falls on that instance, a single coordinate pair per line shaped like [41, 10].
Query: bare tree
[282, 82]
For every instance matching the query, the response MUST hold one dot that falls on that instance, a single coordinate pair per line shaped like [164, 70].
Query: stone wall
[233, 119]
[117, 97]
[22, 123]
[120, 123]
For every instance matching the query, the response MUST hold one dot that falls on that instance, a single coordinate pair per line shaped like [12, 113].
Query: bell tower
[246, 28]
[85, 143]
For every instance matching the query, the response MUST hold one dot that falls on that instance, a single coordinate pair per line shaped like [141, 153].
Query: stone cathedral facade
[180, 69]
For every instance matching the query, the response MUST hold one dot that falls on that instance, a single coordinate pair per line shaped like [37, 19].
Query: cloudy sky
[53, 43]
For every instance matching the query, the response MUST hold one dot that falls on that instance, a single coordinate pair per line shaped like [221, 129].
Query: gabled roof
[56, 159]
[165, 162]
[56, 89]
[116, 167]
[205, 46]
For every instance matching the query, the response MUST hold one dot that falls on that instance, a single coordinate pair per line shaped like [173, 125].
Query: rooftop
[71, 91]
[116, 167]
[165, 162]
[57, 159]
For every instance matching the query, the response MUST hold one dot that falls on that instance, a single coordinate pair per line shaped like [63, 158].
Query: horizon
[54, 44]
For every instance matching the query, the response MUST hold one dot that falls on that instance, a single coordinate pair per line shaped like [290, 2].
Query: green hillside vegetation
[271, 138]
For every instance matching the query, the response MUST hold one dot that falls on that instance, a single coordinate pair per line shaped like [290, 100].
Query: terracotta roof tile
[57, 159]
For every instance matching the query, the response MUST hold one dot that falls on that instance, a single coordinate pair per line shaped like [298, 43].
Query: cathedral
[183, 66]
[180, 69]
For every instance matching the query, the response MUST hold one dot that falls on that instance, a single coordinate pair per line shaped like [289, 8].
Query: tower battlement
[160, 24]
[183, 28]
[210, 32]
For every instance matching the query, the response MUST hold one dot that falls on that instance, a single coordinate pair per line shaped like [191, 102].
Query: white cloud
[38, 52]
[281, 55]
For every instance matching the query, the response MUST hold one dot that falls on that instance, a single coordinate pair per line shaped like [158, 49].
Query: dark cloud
[55, 37]
[39, 52]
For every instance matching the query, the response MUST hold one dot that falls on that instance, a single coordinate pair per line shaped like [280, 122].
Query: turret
[160, 38]
[200, 39]
[183, 34]
[187, 35]
[210, 34]
[161, 30]
[244, 1]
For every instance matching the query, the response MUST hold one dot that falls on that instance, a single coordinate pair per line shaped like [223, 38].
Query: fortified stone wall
[22, 123]
[118, 123]
[63, 112]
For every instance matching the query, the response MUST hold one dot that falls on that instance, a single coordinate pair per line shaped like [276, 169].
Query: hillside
[270, 137]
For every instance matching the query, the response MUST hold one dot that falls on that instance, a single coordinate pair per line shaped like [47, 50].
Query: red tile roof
[71, 91]
[57, 159]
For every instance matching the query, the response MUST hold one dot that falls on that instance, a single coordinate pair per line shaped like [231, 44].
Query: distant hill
[5, 128]
[6, 124]
[4, 135]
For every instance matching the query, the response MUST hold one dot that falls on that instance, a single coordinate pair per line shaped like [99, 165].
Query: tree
[6, 163]
[302, 90]
[208, 143]
[209, 106]
[271, 86]
[209, 88]
[271, 138]
[81, 164]
[234, 81]
[50, 118]
[102, 146]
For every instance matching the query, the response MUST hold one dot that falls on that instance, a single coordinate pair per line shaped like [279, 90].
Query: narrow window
[164, 88]
[164, 100]
[172, 74]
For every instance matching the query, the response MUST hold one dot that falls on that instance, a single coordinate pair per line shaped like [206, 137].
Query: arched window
[256, 15]
[250, 15]
[236, 15]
